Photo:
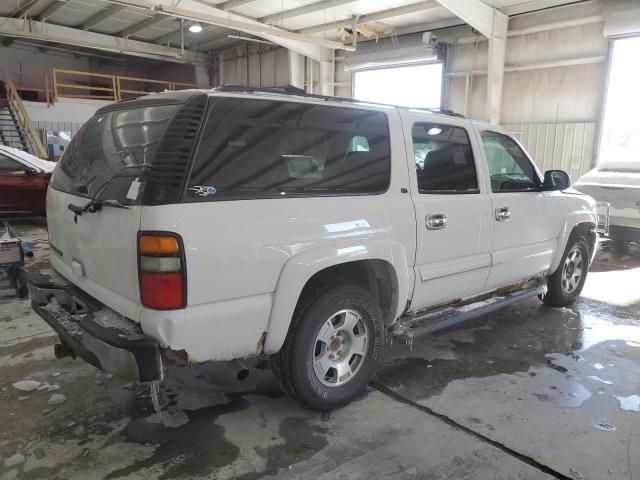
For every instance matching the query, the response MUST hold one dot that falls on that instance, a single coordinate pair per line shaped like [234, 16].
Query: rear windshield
[110, 155]
[273, 149]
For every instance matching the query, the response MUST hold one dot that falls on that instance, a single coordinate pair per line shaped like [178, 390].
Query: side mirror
[30, 171]
[556, 180]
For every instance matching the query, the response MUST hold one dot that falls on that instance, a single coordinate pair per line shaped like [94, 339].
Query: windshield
[110, 155]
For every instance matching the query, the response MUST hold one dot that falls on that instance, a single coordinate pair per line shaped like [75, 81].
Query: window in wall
[509, 167]
[409, 86]
[620, 140]
[267, 149]
[444, 161]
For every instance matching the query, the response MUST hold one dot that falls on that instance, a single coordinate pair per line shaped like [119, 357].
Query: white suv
[222, 224]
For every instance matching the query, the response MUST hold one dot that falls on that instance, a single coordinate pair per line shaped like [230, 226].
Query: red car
[23, 183]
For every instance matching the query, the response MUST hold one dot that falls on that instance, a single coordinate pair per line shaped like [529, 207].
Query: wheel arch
[582, 223]
[379, 267]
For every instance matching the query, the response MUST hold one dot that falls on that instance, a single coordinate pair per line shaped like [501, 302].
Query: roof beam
[231, 4]
[167, 37]
[493, 24]
[304, 10]
[195, 11]
[373, 17]
[52, 8]
[137, 27]
[213, 43]
[487, 20]
[14, 27]
[208, 40]
[22, 10]
[105, 14]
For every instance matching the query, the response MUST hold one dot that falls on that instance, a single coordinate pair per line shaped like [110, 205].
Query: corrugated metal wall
[555, 112]
[564, 146]
[266, 66]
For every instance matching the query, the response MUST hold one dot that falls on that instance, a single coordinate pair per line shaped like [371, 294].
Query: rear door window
[444, 160]
[274, 149]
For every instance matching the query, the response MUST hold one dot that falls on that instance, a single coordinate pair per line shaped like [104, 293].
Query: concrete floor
[527, 393]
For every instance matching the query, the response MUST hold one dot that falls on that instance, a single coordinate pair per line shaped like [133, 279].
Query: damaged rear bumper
[94, 332]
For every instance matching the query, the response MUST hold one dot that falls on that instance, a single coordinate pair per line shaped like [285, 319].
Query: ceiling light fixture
[195, 27]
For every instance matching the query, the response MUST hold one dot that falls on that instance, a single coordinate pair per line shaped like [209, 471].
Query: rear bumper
[93, 332]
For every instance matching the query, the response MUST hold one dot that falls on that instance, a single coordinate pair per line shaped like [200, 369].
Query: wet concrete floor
[530, 392]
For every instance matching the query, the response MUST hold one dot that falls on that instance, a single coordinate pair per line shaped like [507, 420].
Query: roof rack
[295, 91]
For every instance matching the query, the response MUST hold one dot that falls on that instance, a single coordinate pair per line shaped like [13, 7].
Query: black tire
[293, 365]
[557, 295]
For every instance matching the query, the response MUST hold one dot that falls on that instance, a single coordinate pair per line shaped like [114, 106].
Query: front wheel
[333, 347]
[566, 283]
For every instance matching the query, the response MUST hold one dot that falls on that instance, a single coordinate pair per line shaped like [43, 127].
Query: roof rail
[295, 91]
[443, 111]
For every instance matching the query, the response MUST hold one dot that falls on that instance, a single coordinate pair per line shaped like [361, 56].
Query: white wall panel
[565, 146]
[555, 112]
[267, 66]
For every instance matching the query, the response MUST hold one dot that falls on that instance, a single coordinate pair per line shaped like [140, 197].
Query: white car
[618, 184]
[222, 224]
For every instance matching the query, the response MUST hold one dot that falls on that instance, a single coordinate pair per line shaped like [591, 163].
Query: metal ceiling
[322, 19]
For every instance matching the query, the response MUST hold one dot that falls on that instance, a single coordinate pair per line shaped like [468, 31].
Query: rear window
[272, 149]
[110, 155]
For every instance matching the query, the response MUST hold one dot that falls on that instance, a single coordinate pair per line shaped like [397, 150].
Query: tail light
[162, 271]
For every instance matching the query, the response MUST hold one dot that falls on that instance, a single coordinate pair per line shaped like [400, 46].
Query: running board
[410, 327]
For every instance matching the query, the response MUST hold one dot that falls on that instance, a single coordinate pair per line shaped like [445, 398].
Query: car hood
[617, 174]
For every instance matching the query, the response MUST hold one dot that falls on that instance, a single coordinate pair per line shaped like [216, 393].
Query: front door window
[510, 169]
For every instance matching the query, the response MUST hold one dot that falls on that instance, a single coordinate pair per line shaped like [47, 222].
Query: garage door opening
[409, 86]
[620, 139]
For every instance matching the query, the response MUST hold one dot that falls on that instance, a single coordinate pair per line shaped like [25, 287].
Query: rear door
[452, 208]
[525, 224]
[128, 157]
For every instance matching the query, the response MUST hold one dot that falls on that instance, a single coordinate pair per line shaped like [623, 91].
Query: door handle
[436, 221]
[503, 214]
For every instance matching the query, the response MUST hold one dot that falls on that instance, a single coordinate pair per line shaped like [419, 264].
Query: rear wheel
[566, 283]
[333, 347]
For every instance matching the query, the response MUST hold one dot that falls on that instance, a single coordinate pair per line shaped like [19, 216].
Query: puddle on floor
[595, 330]
[599, 380]
[630, 403]
[575, 397]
